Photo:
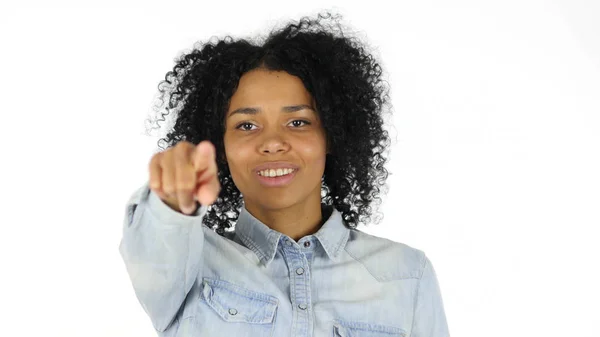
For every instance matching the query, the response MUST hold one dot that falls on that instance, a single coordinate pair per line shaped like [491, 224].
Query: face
[275, 122]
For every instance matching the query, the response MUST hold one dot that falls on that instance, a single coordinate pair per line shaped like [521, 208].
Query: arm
[429, 318]
[162, 251]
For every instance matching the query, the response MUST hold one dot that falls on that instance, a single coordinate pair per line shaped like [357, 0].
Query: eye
[246, 126]
[243, 124]
[302, 121]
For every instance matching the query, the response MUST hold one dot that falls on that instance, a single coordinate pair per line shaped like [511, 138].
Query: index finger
[203, 154]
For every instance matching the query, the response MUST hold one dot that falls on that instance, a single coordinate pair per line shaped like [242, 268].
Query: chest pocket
[361, 329]
[243, 312]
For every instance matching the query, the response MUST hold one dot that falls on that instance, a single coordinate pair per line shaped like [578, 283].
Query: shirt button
[289, 243]
[232, 311]
[302, 306]
[300, 271]
[307, 244]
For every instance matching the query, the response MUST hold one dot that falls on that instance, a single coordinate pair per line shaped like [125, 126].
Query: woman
[284, 142]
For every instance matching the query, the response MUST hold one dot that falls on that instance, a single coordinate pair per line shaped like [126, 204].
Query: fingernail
[204, 149]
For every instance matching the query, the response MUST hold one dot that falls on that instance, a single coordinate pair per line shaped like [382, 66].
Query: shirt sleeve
[162, 251]
[429, 318]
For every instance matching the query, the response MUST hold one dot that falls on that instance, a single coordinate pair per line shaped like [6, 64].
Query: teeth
[276, 173]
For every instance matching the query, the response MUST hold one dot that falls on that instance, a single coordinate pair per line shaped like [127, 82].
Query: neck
[296, 221]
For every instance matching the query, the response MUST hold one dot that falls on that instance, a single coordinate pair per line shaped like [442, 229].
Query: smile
[276, 172]
[276, 181]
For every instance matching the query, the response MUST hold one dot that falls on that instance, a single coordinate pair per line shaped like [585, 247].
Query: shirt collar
[263, 240]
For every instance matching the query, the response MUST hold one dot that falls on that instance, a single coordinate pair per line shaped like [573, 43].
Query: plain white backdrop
[494, 166]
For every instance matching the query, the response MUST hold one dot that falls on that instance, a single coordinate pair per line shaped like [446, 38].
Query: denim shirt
[258, 282]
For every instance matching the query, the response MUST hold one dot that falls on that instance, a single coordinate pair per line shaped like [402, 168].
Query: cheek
[320, 164]
[238, 156]
[314, 154]
[232, 146]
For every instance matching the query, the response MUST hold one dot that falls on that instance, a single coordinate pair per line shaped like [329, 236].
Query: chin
[274, 201]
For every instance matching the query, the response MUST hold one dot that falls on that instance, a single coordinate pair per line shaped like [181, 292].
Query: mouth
[277, 180]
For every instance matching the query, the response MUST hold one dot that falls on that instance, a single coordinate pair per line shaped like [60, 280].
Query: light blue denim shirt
[258, 282]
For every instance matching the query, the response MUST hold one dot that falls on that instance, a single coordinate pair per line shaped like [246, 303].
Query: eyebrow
[254, 111]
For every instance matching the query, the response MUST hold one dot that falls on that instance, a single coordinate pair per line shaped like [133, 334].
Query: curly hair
[345, 82]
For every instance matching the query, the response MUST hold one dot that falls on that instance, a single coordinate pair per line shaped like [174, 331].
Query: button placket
[301, 277]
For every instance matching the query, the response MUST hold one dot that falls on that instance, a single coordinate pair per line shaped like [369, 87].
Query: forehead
[259, 87]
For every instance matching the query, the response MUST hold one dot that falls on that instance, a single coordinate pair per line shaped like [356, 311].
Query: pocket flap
[236, 304]
[354, 329]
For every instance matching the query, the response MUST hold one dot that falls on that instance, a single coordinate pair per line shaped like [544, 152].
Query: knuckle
[182, 145]
[168, 188]
[155, 160]
[154, 183]
[185, 186]
[182, 154]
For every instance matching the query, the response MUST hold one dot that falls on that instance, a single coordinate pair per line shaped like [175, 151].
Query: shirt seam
[362, 264]
[368, 270]
[187, 260]
[417, 299]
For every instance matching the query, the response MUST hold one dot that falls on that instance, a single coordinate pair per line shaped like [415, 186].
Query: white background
[495, 160]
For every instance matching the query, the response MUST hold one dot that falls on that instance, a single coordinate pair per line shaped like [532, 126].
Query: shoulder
[385, 259]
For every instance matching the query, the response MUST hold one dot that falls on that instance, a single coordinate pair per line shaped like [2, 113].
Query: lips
[275, 166]
[276, 181]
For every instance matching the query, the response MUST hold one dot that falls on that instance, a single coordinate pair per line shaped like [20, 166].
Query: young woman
[284, 142]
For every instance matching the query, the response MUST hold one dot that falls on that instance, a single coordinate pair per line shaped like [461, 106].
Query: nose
[274, 143]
